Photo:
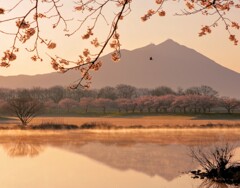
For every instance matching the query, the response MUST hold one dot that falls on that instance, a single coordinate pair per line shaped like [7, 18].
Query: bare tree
[24, 108]
[163, 90]
[107, 93]
[56, 93]
[202, 90]
[126, 91]
[229, 104]
[39, 93]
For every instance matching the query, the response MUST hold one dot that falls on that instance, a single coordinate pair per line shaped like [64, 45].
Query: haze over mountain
[172, 65]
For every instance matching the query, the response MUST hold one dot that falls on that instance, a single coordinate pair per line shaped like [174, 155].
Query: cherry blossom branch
[94, 64]
[29, 25]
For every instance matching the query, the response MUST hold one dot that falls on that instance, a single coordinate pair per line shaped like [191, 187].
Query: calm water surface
[103, 162]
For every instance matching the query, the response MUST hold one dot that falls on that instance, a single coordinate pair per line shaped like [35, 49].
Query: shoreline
[122, 137]
[145, 123]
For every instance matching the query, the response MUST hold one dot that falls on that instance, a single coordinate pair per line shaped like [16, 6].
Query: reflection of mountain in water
[167, 161]
[22, 148]
[164, 154]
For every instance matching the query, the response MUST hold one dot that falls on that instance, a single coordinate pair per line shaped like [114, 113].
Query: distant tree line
[122, 98]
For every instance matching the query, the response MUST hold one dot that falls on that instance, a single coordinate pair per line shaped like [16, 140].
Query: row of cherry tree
[124, 98]
[165, 103]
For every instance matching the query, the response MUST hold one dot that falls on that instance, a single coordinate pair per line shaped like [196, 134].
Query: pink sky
[134, 34]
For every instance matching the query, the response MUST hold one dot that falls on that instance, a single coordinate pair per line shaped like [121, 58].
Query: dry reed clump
[98, 125]
[54, 126]
[157, 121]
[217, 165]
[220, 125]
[108, 126]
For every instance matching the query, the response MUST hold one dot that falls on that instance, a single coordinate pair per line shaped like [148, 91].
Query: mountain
[40, 80]
[167, 64]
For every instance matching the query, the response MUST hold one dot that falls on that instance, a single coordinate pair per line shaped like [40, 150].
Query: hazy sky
[134, 34]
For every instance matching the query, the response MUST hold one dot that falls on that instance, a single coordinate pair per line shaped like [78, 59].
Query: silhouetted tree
[126, 91]
[202, 90]
[142, 92]
[25, 109]
[108, 93]
[56, 93]
[163, 90]
[229, 104]
[207, 103]
[39, 93]
[5, 93]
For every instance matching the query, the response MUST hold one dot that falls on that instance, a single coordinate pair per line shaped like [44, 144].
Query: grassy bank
[133, 121]
[221, 116]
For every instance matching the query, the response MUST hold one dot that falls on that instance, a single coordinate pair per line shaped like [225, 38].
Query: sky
[133, 32]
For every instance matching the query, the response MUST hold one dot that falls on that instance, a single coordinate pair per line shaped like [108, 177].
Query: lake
[106, 159]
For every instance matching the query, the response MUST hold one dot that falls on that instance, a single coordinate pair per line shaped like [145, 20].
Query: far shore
[128, 122]
[165, 129]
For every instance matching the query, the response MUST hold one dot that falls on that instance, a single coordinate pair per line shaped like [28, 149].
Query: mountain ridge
[168, 63]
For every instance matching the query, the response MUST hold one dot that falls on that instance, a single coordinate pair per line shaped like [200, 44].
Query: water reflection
[211, 184]
[112, 160]
[166, 161]
[20, 147]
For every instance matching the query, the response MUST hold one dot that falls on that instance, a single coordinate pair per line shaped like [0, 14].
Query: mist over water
[104, 159]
